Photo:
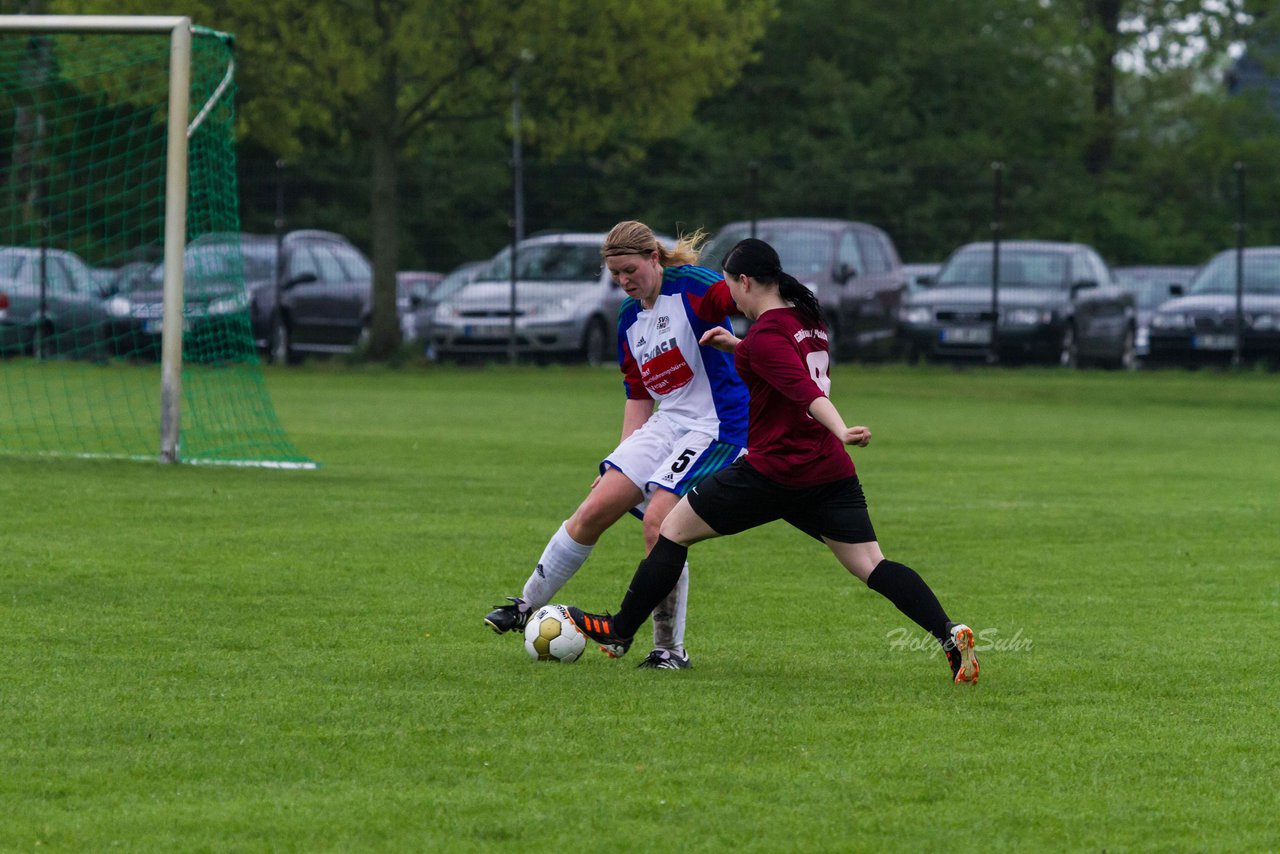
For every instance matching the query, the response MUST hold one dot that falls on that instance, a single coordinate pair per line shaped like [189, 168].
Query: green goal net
[83, 173]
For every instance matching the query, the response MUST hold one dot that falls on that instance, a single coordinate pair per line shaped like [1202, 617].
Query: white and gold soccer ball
[550, 635]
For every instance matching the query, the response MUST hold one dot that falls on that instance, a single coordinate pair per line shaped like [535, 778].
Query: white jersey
[696, 387]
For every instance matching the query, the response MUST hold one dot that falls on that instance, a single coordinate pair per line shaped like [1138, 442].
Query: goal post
[82, 156]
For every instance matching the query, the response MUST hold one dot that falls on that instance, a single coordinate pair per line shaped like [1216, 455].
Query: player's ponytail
[759, 260]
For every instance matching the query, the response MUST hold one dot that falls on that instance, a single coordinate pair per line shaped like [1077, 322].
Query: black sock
[902, 586]
[655, 578]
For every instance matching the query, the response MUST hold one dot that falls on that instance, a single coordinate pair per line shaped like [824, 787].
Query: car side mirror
[927, 281]
[1082, 285]
[1176, 290]
[845, 272]
[300, 279]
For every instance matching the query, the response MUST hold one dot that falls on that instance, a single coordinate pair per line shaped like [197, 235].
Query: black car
[1200, 326]
[215, 303]
[852, 267]
[49, 304]
[312, 297]
[323, 301]
[1151, 285]
[1056, 302]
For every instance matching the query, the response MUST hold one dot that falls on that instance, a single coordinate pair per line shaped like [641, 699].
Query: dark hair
[759, 260]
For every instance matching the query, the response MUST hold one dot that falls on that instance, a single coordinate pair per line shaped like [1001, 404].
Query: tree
[376, 77]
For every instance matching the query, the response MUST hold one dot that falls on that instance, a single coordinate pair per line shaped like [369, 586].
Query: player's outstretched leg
[561, 558]
[600, 628]
[509, 618]
[960, 654]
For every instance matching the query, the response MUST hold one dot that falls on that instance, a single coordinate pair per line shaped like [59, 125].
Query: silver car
[566, 304]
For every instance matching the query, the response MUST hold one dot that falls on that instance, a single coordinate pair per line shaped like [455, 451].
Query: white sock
[668, 617]
[560, 560]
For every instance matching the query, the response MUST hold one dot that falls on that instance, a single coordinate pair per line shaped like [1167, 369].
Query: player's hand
[720, 338]
[859, 436]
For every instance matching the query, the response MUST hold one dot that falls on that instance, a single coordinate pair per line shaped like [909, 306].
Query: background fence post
[1237, 357]
[997, 205]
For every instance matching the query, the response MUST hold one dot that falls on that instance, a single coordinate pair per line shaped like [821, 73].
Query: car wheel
[595, 343]
[42, 342]
[1069, 351]
[281, 346]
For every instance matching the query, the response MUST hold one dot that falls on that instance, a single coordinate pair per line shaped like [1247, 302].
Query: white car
[566, 303]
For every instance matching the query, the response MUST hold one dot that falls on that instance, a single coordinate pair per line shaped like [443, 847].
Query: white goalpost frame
[175, 193]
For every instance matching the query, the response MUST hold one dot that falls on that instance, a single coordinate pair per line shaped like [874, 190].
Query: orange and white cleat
[599, 627]
[960, 654]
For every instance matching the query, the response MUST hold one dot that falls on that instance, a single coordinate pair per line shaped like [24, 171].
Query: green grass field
[236, 659]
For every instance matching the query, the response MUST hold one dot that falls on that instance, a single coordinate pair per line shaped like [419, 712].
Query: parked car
[412, 289]
[49, 304]
[214, 300]
[1150, 286]
[920, 276]
[322, 303]
[566, 303]
[1057, 303]
[1200, 326]
[852, 267]
[422, 307]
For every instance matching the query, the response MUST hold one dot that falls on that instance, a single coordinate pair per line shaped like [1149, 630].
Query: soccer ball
[550, 635]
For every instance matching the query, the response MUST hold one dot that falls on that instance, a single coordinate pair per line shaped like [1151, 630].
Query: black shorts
[737, 498]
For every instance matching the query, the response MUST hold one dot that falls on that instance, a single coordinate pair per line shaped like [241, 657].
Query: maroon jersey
[784, 361]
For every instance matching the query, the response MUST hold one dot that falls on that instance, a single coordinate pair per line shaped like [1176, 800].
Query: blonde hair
[636, 238]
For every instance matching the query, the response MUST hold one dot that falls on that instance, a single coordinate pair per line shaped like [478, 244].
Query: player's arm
[635, 414]
[825, 413]
[805, 383]
[720, 338]
[639, 406]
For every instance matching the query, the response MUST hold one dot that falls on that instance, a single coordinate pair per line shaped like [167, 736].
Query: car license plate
[1214, 342]
[966, 335]
[155, 327]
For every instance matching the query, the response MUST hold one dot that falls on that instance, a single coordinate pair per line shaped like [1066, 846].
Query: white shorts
[661, 455]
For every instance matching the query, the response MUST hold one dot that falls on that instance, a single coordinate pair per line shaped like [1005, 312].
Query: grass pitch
[213, 659]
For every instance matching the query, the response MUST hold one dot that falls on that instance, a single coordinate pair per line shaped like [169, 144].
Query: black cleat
[509, 618]
[665, 659]
[599, 627]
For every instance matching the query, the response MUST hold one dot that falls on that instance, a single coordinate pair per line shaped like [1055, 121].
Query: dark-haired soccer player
[699, 428]
[796, 468]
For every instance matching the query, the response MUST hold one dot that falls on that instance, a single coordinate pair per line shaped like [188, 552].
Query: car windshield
[1261, 274]
[457, 280]
[1018, 268]
[805, 253]
[13, 265]
[225, 262]
[22, 266]
[549, 262]
[1150, 286]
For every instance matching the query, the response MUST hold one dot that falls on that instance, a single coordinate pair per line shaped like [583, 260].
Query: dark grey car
[852, 267]
[1151, 285]
[49, 304]
[1200, 327]
[1057, 303]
